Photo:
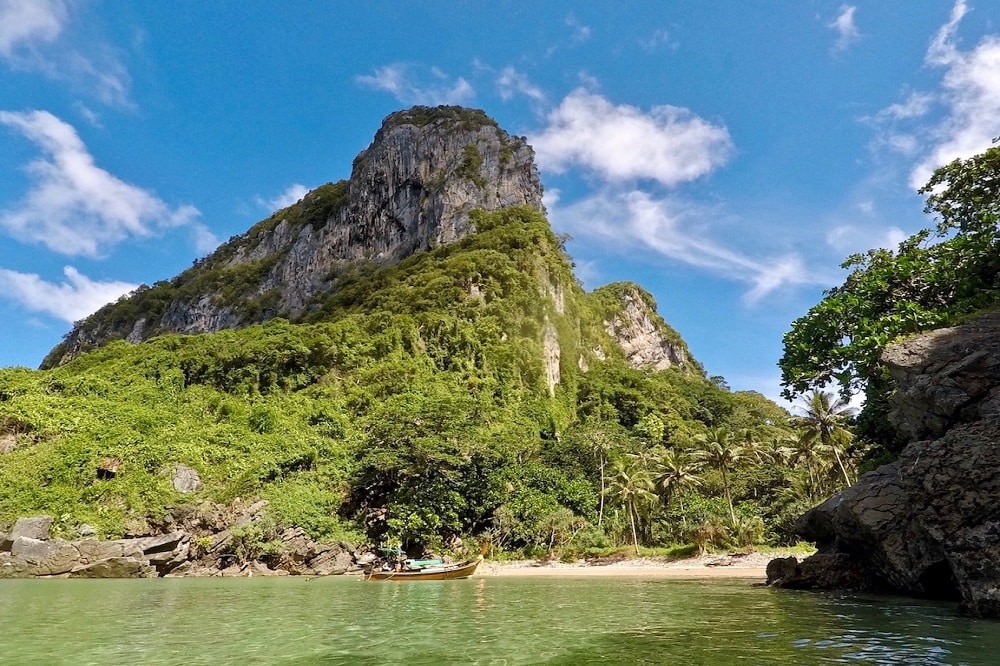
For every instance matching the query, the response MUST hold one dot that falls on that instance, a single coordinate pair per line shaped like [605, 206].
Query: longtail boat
[426, 569]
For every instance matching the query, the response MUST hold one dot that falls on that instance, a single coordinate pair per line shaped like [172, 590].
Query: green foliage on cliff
[417, 402]
[933, 279]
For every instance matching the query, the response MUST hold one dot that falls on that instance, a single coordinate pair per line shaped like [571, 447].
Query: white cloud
[581, 33]
[844, 26]
[73, 206]
[669, 144]
[658, 38]
[292, 194]
[674, 229]
[849, 238]
[27, 22]
[410, 87]
[70, 300]
[512, 82]
[970, 91]
[915, 106]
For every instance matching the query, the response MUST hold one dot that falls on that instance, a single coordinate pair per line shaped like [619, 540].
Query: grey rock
[86, 530]
[14, 567]
[185, 479]
[48, 558]
[331, 562]
[115, 567]
[5, 543]
[36, 527]
[640, 332]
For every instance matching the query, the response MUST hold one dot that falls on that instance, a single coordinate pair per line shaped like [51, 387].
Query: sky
[727, 156]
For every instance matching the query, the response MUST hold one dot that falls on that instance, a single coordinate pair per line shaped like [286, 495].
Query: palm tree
[823, 424]
[631, 486]
[675, 471]
[720, 450]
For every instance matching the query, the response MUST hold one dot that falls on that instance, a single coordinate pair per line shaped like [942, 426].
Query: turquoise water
[345, 620]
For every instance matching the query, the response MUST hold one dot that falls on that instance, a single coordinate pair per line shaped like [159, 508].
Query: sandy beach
[750, 566]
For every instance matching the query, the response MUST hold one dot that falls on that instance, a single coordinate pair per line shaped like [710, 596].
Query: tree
[720, 450]
[933, 278]
[675, 471]
[631, 486]
[824, 423]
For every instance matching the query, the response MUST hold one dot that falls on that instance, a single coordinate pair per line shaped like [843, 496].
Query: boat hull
[453, 572]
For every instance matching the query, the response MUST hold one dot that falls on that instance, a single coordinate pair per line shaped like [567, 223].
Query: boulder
[47, 558]
[115, 567]
[927, 524]
[185, 479]
[36, 527]
[13, 567]
[331, 562]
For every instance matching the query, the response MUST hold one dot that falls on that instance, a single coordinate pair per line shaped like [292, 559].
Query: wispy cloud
[849, 238]
[413, 85]
[844, 26]
[970, 91]
[659, 38]
[511, 82]
[25, 23]
[292, 194]
[32, 38]
[669, 144]
[73, 206]
[70, 300]
[581, 32]
[630, 219]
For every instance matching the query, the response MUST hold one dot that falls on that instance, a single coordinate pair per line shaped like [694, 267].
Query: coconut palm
[823, 425]
[720, 450]
[631, 486]
[674, 471]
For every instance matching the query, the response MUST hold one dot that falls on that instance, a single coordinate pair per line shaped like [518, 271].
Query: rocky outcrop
[928, 524]
[413, 189]
[641, 333]
[206, 542]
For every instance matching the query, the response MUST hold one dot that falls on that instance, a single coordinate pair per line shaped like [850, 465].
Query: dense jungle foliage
[416, 406]
[935, 278]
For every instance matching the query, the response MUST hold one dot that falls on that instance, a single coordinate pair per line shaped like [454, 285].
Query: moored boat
[435, 572]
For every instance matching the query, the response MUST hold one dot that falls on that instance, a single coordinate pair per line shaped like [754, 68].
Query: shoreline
[751, 566]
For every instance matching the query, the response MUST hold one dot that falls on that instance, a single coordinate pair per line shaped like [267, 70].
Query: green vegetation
[934, 279]
[413, 404]
[469, 167]
[459, 117]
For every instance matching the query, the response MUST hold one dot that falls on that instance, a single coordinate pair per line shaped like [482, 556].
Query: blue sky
[727, 156]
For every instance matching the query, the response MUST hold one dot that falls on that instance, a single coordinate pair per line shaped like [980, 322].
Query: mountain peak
[412, 189]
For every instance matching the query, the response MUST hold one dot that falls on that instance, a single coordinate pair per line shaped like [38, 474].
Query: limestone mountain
[402, 356]
[413, 189]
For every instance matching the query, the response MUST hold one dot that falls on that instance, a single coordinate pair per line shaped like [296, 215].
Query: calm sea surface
[477, 621]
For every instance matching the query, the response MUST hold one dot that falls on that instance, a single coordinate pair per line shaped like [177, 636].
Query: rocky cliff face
[928, 524]
[411, 190]
[642, 335]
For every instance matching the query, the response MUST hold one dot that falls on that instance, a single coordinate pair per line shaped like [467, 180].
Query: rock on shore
[928, 524]
[204, 542]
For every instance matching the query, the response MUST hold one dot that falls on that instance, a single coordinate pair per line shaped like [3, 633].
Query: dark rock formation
[928, 524]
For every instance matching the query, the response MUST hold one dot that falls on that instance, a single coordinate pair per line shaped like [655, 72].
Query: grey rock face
[928, 524]
[413, 189]
[641, 338]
